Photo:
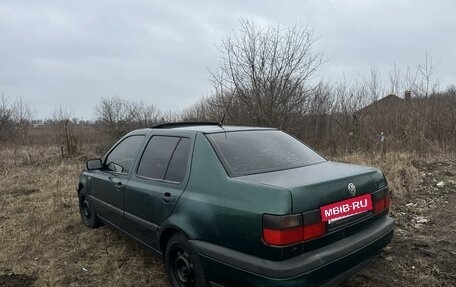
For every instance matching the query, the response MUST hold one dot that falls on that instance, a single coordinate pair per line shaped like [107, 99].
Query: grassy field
[43, 242]
[42, 236]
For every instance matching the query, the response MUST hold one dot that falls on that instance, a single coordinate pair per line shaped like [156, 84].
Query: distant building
[38, 123]
[385, 104]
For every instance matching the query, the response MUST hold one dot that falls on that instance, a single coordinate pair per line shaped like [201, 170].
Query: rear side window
[165, 158]
[157, 154]
[250, 152]
[122, 157]
[178, 164]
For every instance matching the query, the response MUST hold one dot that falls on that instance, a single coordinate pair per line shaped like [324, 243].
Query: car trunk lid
[320, 184]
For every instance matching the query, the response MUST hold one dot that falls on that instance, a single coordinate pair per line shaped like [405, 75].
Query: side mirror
[93, 164]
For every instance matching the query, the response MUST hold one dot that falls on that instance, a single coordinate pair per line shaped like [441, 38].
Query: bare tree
[410, 80]
[268, 71]
[375, 85]
[68, 133]
[117, 115]
[23, 116]
[420, 80]
[395, 80]
[426, 70]
[114, 115]
[451, 90]
[142, 115]
[264, 78]
[6, 118]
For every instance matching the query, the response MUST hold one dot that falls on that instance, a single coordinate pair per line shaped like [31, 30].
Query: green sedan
[238, 206]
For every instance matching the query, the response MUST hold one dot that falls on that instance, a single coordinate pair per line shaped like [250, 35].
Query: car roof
[218, 129]
[206, 128]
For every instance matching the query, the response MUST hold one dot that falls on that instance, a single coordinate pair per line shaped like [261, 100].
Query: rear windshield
[250, 152]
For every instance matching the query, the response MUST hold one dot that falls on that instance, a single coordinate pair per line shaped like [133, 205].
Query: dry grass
[42, 236]
[400, 169]
[41, 233]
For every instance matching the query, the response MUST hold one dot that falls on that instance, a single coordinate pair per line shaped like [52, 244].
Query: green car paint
[222, 215]
[217, 208]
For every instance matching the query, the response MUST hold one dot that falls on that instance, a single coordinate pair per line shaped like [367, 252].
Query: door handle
[167, 198]
[119, 185]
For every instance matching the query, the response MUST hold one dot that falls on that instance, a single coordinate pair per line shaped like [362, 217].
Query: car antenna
[226, 111]
[220, 124]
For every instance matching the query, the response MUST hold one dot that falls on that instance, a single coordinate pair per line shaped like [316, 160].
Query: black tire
[87, 212]
[182, 264]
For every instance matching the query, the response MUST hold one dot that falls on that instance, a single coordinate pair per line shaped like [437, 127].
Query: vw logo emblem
[352, 188]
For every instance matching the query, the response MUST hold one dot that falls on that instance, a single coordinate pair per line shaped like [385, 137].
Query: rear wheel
[182, 264]
[87, 212]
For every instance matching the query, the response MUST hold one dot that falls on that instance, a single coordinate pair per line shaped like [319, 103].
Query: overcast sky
[72, 53]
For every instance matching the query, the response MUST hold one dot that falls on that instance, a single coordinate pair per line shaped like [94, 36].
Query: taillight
[381, 200]
[282, 236]
[313, 230]
[312, 225]
[284, 230]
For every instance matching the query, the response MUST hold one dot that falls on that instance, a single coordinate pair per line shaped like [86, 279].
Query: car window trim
[157, 179]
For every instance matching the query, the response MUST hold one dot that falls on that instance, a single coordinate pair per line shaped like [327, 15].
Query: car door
[158, 181]
[108, 184]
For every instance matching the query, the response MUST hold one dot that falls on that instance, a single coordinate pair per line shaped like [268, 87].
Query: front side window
[250, 152]
[122, 157]
[165, 158]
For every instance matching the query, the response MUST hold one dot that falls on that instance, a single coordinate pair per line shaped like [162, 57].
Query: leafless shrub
[113, 115]
[116, 116]
[142, 115]
[6, 118]
[68, 133]
[22, 116]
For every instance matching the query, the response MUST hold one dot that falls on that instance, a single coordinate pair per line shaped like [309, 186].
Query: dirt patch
[23, 191]
[16, 280]
[423, 251]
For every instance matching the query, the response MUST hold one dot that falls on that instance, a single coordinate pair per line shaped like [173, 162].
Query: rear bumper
[329, 265]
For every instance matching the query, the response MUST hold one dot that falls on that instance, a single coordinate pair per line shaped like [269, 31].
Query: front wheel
[87, 212]
[182, 264]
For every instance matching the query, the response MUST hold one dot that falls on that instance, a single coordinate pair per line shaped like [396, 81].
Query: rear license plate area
[346, 210]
